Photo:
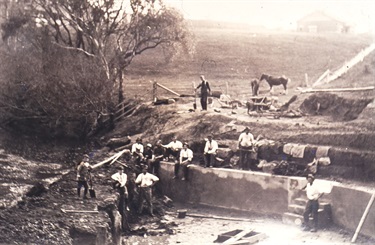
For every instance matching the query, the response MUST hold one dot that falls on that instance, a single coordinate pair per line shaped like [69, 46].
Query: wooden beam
[112, 158]
[122, 108]
[219, 217]
[310, 90]
[320, 79]
[169, 90]
[79, 211]
[238, 236]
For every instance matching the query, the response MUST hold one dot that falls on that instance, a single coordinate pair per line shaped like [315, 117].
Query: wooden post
[154, 91]
[363, 217]
[306, 80]
[101, 235]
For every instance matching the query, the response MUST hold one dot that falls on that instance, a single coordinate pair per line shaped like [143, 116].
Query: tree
[105, 35]
[113, 32]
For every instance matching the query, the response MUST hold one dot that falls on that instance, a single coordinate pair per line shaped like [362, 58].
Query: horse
[255, 86]
[274, 81]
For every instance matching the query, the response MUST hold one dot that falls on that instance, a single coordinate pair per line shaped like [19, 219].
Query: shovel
[195, 97]
[91, 188]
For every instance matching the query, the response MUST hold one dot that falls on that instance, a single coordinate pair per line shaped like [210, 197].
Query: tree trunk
[120, 89]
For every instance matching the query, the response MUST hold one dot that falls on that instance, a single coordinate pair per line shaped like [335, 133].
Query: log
[310, 90]
[219, 217]
[79, 211]
[112, 159]
[169, 90]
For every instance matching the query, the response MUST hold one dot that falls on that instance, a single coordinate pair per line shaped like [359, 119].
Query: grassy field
[235, 56]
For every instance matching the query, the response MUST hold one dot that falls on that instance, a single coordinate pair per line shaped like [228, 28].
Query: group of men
[145, 181]
[149, 160]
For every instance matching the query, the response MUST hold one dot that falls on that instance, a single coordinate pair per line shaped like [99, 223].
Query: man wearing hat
[120, 179]
[245, 145]
[312, 205]
[146, 181]
[159, 153]
[137, 150]
[148, 155]
[173, 149]
[205, 90]
[186, 156]
[210, 150]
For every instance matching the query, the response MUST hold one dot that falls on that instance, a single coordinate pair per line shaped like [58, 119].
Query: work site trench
[212, 206]
[40, 205]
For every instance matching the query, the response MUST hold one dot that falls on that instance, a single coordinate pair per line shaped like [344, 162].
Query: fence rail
[327, 76]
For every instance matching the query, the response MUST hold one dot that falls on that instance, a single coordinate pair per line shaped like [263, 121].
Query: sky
[278, 13]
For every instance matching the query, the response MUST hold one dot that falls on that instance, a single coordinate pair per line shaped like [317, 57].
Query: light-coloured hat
[149, 145]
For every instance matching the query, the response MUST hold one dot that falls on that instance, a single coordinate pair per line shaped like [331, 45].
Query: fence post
[306, 80]
[154, 91]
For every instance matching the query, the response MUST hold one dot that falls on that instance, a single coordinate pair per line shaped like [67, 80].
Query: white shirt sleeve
[190, 155]
[139, 179]
[134, 148]
[206, 146]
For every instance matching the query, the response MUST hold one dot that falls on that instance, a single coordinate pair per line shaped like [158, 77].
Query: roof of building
[318, 16]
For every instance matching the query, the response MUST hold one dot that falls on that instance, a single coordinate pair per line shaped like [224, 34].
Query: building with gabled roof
[318, 22]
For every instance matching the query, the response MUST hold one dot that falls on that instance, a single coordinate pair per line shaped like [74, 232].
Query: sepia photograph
[192, 122]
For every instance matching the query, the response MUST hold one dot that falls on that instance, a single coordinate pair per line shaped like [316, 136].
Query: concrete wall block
[348, 206]
[324, 216]
[266, 194]
[228, 188]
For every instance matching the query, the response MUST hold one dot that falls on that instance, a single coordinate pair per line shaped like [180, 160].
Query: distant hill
[204, 24]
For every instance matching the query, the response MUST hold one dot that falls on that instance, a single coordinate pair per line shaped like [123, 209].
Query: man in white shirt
[209, 153]
[146, 181]
[186, 156]
[137, 150]
[120, 179]
[312, 205]
[173, 148]
[245, 145]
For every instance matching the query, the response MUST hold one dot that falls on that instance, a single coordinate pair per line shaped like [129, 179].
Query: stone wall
[264, 194]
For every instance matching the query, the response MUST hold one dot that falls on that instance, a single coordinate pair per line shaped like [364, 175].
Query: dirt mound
[339, 108]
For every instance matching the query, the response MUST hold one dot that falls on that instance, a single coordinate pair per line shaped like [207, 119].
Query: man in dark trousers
[83, 176]
[159, 153]
[146, 181]
[205, 90]
[210, 150]
[312, 206]
[120, 179]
